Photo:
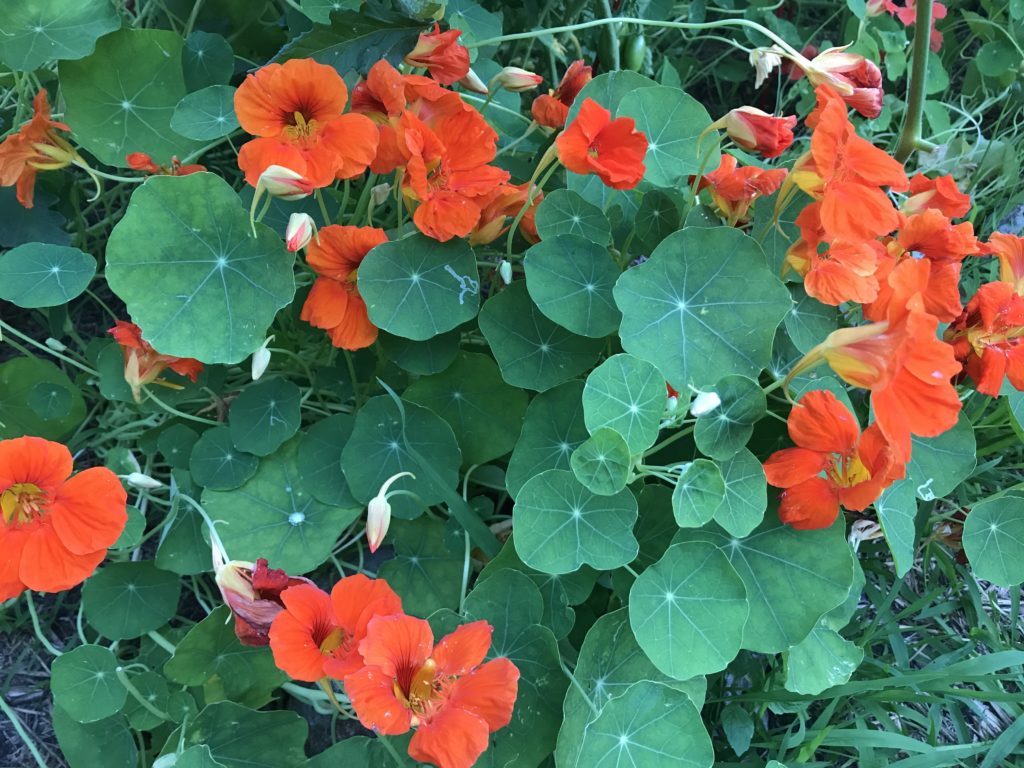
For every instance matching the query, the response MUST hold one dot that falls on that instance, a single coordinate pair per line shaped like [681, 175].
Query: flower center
[848, 471]
[332, 641]
[301, 128]
[22, 503]
[425, 690]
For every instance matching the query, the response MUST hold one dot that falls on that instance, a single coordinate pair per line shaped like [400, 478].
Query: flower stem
[910, 135]
[35, 625]
[20, 729]
[137, 695]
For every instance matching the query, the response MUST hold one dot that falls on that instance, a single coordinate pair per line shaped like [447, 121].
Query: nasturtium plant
[464, 384]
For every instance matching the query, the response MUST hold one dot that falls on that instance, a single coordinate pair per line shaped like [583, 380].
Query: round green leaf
[564, 212]
[206, 59]
[206, 114]
[996, 58]
[133, 530]
[560, 525]
[425, 574]
[626, 394]
[484, 412]
[723, 431]
[699, 492]
[703, 306]
[417, 287]
[649, 726]
[40, 275]
[37, 398]
[746, 494]
[183, 548]
[671, 120]
[687, 610]
[897, 512]
[994, 540]
[532, 351]
[216, 463]
[107, 742]
[126, 600]
[120, 99]
[421, 357]
[657, 218]
[823, 659]
[153, 688]
[320, 460]
[176, 444]
[552, 430]
[272, 515]
[33, 32]
[386, 441]
[50, 401]
[84, 683]
[201, 269]
[602, 462]
[939, 464]
[571, 279]
[264, 415]
[609, 90]
[809, 321]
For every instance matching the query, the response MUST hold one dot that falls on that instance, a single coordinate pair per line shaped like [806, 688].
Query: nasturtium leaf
[649, 726]
[211, 656]
[672, 121]
[475, 22]
[272, 515]
[511, 603]
[809, 321]
[264, 415]
[133, 530]
[421, 357]
[564, 212]
[775, 231]
[561, 525]
[657, 218]
[703, 306]
[354, 750]
[687, 610]
[355, 41]
[85, 685]
[484, 412]
[897, 511]
[37, 398]
[206, 114]
[602, 462]
[738, 727]
[40, 275]
[153, 689]
[320, 460]
[570, 279]
[198, 756]
[533, 352]
[793, 578]
[206, 59]
[386, 441]
[182, 548]
[655, 526]
[552, 430]
[216, 464]
[722, 432]
[939, 464]
[821, 660]
[417, 287]
[239, 737]
[38, 224]
[34, 32]
[176, 444]
[120, 99]
[201, 268]
[610, 660]
[994, 539]
[699, 492]
[320, 10]
[126, 600]
[627, 394]
[609, 90]
[746, 494]
[425, 574]
[106, 742]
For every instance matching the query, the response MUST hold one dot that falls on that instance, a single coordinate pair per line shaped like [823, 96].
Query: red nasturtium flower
[140, 161]
[446, 692]
[757, 131]
[841, 271]
[143, 364]
[1010, 251]
[552, 109]
[295, 111]
[857, 80]
[941, 194]
[988, 338]
[833, 465]
[253, 593]
[35, 147]
[334, 303]
[441, 54]
[318, 635]
[907, 14]
[613, 149]
[54, 528]
[734, 190]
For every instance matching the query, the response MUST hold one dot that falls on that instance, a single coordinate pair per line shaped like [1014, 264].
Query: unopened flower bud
[379, 193]
[285, 183]
[299, 231]
[505, 272]
[378, 513]
[517, 80]
[758, 131]
[472, 82]
[55, 345]
[261, 359]
[704, 403]
[145, 482]
[672, 404]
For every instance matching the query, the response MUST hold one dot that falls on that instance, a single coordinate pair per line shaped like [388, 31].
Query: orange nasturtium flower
[613, 149]
[941, 194]
[757, 131]
[54, 528]
[295, 111]
[35, 147]
[441, 54]
[552, 109]
[317, 635]
[143, 364]
[140, 161]
[499, 208]
[446, 692]
[833, 464]
[734, 190]
[988, 338]
[334, 303]
[1010, 251]
[253, 593]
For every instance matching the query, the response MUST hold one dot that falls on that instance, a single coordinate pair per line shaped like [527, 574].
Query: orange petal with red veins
[454, 738]
[463, 649]
[822, 423]
[88, 511]
[48, 566]
[489, 691]
[809, 505]
[42, 463]
[372, 693]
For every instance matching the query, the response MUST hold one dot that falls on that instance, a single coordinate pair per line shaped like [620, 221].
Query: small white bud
[704, 403]
[378, 513]
[55, 345]
[505, 272]
[379, 193]
[299, 231]
[139, 480]
[285, 183]
[517, 80]
[261, 359]
[472, 82]
[672, 404]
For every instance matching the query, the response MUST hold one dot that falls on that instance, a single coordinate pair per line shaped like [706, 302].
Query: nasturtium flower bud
[505, 272]
[758, 131]
[379, 194]
[472, 82]
[278, 181]
[517, 80]
[704, 403]
[299, 231]
[261, 359]
[143, 481]
[378, 513]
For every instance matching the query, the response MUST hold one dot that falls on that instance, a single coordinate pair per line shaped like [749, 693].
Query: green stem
[910, 136]
[35, 625]
[20, 729]
[323, 208]
[181, 414]
[137, 695]
[47, 349]
[533, 190]
[386, 743]
[616, 64]
[580, 688]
